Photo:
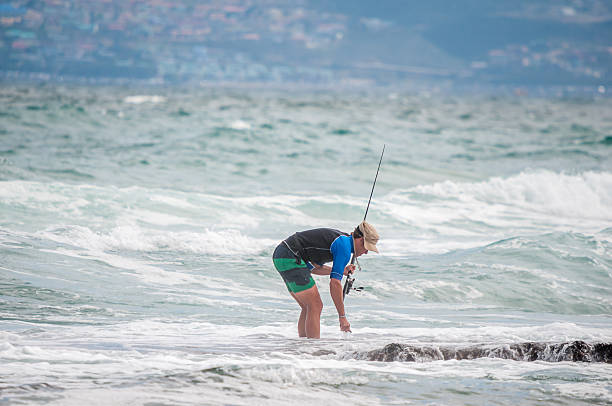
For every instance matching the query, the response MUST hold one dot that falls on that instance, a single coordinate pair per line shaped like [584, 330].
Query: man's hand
[344, 324]
[349, 268]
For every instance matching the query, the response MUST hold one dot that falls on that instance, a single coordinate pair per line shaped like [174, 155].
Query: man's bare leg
[310, 301]
[302, 319]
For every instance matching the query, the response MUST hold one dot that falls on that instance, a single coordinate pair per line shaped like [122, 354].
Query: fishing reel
[348, 286]
[348, 283]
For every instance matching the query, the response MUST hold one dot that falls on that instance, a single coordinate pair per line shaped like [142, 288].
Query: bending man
[305, 253]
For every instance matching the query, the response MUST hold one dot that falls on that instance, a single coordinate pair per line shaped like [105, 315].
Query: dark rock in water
[603, 352]
[322, 352]
[576, 351]
[391, 352]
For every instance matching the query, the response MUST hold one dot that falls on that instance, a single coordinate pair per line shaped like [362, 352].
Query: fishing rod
[348, 284]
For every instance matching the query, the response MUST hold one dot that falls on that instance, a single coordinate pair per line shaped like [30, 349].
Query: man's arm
[335, 289]
[341, 251]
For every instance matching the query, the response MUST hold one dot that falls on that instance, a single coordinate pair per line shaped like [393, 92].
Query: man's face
[359, 247]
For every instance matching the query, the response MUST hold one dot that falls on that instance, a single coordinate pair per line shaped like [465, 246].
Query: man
[304, 253]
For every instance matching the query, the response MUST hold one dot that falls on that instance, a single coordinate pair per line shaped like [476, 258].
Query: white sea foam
[162, 352]
[364, 337]
[18, 191]
[551, 332]
[155, 217]
[139, 99]
[158, 276]
[88, 202]
[425, 219]
[595, 392]
[582, 196]
[130, 236]
[172, 201]
[240, 125]
[453, 215]
[420, 288]
[395, 247]
[153, 273]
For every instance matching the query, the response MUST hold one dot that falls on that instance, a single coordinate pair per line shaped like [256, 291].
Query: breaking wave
[131, 237]
[498, 201]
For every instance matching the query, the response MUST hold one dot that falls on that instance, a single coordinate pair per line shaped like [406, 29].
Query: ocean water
[137, 227]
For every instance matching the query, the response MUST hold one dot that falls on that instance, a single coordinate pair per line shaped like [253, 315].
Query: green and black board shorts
[293, 270]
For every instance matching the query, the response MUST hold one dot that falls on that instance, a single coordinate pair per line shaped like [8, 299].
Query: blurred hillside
[517, 42]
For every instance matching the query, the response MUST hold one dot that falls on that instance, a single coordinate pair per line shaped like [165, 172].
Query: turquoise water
[137, 225]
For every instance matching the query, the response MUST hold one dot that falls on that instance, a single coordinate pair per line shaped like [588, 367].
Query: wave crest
[585, 195]
[131, 237]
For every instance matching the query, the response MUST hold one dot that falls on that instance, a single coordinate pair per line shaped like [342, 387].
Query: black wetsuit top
[314, 245]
